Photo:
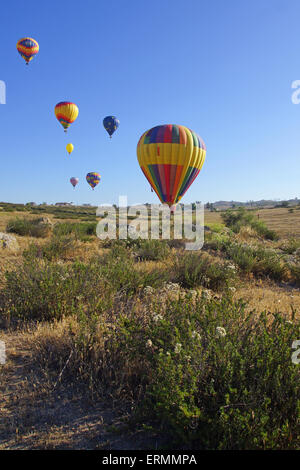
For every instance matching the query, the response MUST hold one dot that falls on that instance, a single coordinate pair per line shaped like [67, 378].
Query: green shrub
[57, 248]
[120, 272]
[40, 290]
[155, 250]
[263, 231]
[261, 262]
[217, 242]
[243, 257]
[295, 272]
[43, 290]
[291, 246]
[176, 243]
[269, 264]
[208, 374]
[242, 217]
[239, 391]
[192, 270]
[217, 228]
[28, 227]
[127, 243]
[82, 231]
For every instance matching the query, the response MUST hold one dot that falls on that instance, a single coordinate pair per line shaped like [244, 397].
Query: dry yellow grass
[264, 296]
[285, 223]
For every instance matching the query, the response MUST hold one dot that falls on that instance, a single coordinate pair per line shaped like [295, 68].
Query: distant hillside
[89, 209]
[264, 203]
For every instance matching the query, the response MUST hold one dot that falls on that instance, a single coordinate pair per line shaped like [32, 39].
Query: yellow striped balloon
[171, 157]
[27, 48]
[66, 113]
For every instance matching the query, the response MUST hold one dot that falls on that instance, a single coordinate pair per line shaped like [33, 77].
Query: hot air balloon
[66, 113]
[70, 148]
[74, 181]
[111, 124]
[170, 157]
[27, 48]
[93, 179]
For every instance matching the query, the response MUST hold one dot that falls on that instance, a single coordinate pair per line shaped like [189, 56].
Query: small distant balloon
[70, 148]
[27, 48]
[111, 124]
[93, 179]
[74, 181]
[66, 113]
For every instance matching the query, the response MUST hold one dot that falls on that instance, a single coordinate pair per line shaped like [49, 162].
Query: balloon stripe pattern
[27, 48]
[171, 157]
[66, 113]
[93, 179]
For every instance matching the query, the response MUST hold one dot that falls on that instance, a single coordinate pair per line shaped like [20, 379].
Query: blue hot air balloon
[111, 124]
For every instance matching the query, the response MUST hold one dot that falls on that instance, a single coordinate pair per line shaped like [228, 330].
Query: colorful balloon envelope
[66, 113]
[93, 179]
[27, 48]
[74, 181]
[171, 158]
[70, 148]
[111, 124]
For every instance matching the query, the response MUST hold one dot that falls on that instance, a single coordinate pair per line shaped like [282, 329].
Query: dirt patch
[36, 415]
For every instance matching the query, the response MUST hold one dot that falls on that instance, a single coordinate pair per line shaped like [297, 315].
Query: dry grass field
[285, 223]
[44, 405]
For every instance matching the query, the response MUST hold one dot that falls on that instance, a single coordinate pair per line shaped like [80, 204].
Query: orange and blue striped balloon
[171, 158]
[93, 179]
[27, 48]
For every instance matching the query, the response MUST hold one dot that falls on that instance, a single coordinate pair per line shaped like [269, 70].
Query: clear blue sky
[224, 68]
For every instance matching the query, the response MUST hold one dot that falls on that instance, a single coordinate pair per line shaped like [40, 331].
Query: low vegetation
[161, 331]
[28, 227]
[243, 217]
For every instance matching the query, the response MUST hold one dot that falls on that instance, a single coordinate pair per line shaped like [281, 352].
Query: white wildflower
[148, 290]
[232, 289]
[221, 332]
[173, 286]
[193, 293]
[157, 317]
[196, 335]
[206, 294]
[231, 266]
[149, 343]
[178, 347]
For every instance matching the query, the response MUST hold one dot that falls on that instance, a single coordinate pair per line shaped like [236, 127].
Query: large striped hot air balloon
[27, 48]
[66, 113]
[170, 157]
[93, 179]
